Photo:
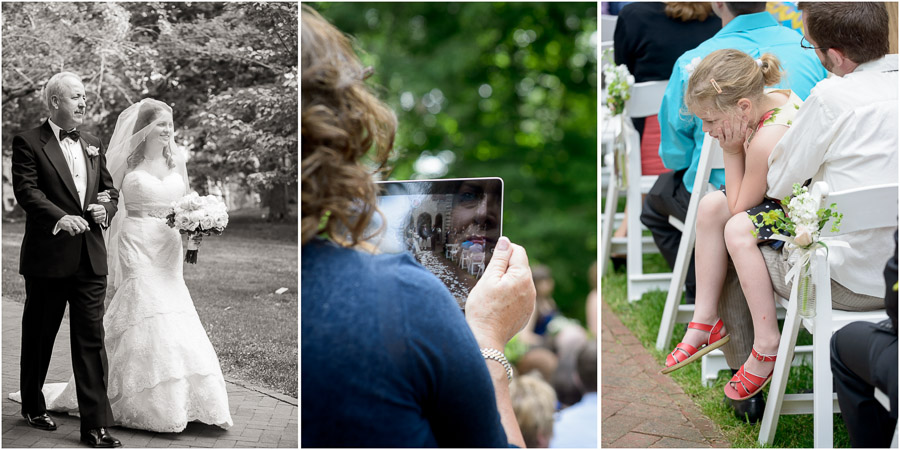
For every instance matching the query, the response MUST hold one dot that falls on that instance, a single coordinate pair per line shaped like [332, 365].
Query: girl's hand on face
[733, 136]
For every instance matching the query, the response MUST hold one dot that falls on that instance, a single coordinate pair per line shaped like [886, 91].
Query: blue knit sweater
[387, 359]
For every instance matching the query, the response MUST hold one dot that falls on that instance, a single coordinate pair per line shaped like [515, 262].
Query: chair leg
[609, 215]
[676, 285]
[823, 403]
[789, 333]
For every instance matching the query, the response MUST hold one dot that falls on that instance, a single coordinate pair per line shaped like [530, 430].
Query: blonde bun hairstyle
[737, 74]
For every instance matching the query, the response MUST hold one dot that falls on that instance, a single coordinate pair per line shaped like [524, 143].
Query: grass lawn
[643, 318]
[233, 287]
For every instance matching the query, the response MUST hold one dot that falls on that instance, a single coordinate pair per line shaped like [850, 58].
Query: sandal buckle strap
[762, 357]
[700, 326]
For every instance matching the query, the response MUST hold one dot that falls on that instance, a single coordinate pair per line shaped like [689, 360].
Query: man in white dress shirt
[846, 135]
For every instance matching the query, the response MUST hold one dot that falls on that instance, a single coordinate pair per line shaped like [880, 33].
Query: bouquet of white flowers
[618, 84]
[196, 216]
[618, 89]
[800, 229]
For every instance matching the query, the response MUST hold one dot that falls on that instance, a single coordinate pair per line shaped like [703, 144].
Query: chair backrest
[646, 97]
[607, 27]
[863, 208]
[711, 157]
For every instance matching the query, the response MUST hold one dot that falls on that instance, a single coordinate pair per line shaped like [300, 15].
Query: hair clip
[367, 72]
[759, 63]
[715, 85]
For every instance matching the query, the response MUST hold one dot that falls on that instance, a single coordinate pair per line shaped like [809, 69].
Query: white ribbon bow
[804, 254]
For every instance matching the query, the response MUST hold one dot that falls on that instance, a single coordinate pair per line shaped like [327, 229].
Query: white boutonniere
[92, 151]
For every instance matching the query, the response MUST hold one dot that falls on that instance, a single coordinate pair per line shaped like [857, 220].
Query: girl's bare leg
[711, 263]
[757, 286]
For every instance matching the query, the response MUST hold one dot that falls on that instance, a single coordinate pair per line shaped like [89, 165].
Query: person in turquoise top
[746, 26]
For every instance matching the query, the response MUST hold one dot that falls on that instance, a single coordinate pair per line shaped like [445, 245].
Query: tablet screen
[449, 226]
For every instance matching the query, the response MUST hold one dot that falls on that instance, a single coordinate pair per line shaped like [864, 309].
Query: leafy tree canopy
[496, 89]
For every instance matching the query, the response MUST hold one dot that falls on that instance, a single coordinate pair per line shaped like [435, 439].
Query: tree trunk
[277, 201]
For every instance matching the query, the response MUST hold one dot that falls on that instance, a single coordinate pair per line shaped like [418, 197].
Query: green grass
[253, 330]
[643, 318]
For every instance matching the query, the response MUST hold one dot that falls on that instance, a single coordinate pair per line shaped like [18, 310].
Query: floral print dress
[783, 115]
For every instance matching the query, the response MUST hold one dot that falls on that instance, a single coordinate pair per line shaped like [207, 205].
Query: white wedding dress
[163, 370]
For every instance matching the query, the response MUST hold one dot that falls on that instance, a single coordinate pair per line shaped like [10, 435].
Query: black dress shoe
[99, 438]
[750, 410]
[41, 422]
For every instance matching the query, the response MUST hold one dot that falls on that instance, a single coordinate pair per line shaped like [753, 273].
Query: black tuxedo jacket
[44, 187]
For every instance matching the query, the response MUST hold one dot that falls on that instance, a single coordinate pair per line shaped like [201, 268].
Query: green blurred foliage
[496, 89]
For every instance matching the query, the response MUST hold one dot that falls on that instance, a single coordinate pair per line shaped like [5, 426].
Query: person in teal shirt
[746, 26]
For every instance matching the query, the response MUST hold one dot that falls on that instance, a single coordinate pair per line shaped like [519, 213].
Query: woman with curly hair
[388, 359]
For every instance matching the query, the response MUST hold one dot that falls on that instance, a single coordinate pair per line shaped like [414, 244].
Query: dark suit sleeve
[106, 184]
[27, 190]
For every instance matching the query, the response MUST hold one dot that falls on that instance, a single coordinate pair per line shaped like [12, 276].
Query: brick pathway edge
[640, 407]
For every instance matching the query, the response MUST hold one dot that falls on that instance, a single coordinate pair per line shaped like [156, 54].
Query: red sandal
[746, 384]
[716, 339]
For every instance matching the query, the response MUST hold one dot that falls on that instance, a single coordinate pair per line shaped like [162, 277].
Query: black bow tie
[73, 135]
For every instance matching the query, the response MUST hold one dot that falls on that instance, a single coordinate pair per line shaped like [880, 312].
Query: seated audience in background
[567, 343]
[388, 359]
[746, 26]
[590, 306]
[534, 403]
[649, 37]
[864, 357]
[545, 310]
[538, 359]
[576, 426]
[845, 135]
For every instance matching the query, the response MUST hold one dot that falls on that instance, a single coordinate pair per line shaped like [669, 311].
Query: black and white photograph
[149, 223]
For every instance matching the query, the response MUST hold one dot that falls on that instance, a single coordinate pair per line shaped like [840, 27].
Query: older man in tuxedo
[57, 171]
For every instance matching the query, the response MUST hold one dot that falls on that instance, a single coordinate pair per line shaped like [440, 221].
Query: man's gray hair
[54, 86]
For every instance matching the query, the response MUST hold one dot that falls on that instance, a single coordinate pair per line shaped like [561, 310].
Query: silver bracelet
[497, 355]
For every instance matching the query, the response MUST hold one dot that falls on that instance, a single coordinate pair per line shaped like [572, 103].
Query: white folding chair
[645, 100]
[710, 157]
[674, 312]
[475, 260]
[607, 27]
[451, 250]
[863, 209]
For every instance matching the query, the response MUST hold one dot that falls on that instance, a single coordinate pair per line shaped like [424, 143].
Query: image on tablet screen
[449, 226]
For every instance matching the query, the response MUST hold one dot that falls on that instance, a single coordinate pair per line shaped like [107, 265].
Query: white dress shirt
[74, 155]
[846, 135]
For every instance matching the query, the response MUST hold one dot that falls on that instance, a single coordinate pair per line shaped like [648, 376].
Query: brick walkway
[640, 407]
[262, 418]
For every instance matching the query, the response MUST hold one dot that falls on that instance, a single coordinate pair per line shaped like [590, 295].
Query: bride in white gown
[163, 370]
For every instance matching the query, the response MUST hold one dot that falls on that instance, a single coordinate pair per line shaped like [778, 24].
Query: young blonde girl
[727, 92]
